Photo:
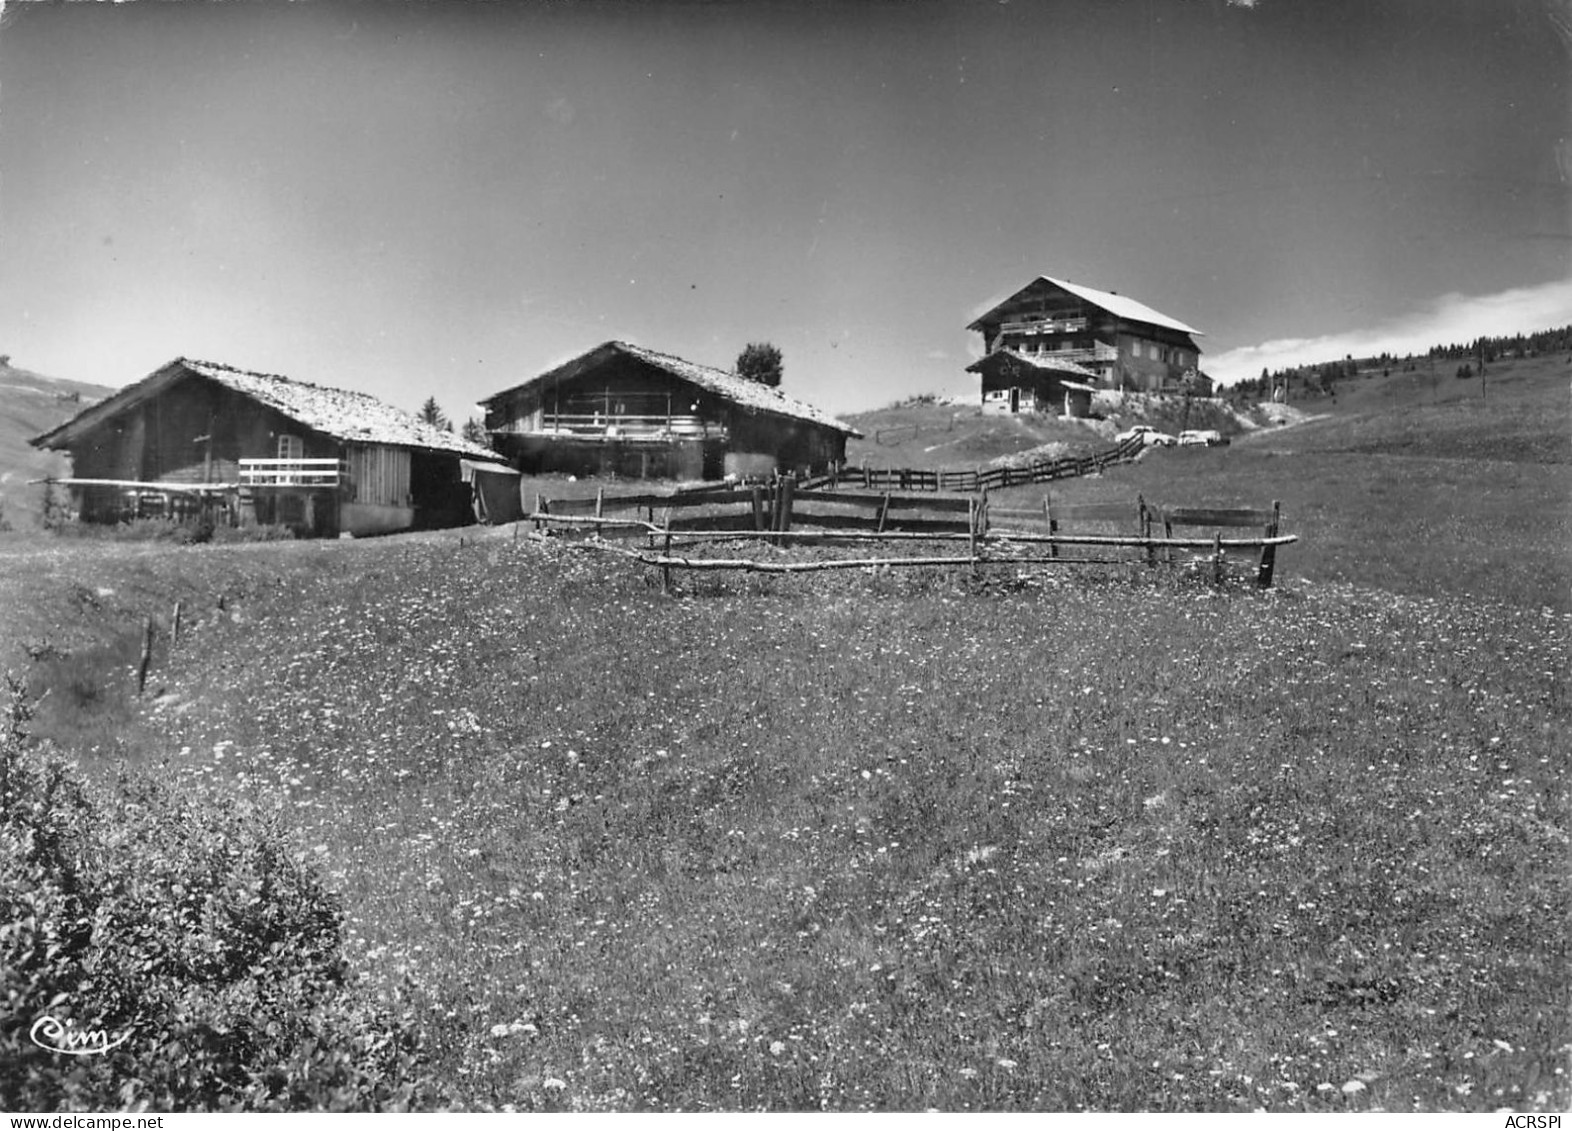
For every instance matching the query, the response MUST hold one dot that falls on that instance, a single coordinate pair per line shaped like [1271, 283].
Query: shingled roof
[749, 395]
[1116, 304]
[1043, 361]
[357, 418]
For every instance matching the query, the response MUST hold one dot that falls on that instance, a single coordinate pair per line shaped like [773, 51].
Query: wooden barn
[196, 438]
[624, 410]
[1115, 341]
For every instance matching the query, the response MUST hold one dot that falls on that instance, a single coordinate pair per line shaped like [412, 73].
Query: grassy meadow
[1032, 840]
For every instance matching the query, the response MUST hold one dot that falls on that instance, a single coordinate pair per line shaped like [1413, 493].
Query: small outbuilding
[196, 438]
[1014, 381]
[622, 409]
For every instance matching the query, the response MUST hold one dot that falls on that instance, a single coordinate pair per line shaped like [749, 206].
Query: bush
[189, 928]
[225, 535]
[169, 530]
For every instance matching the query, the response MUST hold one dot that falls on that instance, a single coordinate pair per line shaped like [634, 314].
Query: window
[290, 447]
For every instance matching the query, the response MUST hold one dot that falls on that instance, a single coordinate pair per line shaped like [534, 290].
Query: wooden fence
[974, 480]
[784, 513]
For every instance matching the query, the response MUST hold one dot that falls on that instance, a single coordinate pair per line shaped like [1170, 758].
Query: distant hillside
[928, 433]
[31, 404]
[1515, 412]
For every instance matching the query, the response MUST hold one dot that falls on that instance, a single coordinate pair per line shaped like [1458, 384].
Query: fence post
[146, 658]
[1144, 524]
[783, 524]
[1217, 557]
[600, 507]
[665, 565]
[541, 525]
[884, 513]
[973, 516]
[1263, 575]
[174, 626]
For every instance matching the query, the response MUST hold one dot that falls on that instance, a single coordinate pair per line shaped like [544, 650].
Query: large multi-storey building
[1053, 338]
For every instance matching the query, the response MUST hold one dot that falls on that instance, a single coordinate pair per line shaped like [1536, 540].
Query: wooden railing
[624, 425]
[1098, 352]
[990, 479]
[1044, 325]
[293, 472]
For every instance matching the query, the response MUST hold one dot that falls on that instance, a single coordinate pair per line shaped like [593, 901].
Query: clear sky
[449, 198]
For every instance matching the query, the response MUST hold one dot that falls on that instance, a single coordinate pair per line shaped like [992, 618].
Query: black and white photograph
[785, 557]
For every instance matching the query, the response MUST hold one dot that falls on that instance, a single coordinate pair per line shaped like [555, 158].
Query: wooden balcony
[602, 426]
[293, 472]
[1097, 354]
[1044, 326]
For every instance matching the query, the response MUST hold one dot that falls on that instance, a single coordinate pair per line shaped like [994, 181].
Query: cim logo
[63, 1036]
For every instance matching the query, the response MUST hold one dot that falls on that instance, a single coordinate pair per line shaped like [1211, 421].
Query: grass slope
[1460, 496]
[902, 843]
[31, 404]
[925, 435]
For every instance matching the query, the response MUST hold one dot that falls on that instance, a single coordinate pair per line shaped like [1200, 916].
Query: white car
[1147, 434]
[1201, 438]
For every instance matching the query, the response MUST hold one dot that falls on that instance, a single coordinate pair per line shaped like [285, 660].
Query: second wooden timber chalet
[625, 410]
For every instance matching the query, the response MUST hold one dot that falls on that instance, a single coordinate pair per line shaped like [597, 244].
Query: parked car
[1202, 438]
[1147, 434]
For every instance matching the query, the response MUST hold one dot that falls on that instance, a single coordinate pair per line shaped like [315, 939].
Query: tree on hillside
[475, 432]
[761, 362]
[433, 415]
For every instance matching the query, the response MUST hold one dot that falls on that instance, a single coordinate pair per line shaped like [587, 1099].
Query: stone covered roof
[345, 415]
[750, 395]
[1043, 361]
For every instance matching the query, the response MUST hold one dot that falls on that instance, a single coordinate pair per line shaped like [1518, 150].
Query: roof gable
[1121, 306]
[339, 413]
[749, 395]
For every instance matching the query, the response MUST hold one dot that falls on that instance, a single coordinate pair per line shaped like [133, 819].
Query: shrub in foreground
[186, 934]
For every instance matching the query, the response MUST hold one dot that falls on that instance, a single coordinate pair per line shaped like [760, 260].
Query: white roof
[1120, 305]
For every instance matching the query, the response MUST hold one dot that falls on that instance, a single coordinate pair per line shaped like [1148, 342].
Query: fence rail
[823, 517]
[978, 479]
